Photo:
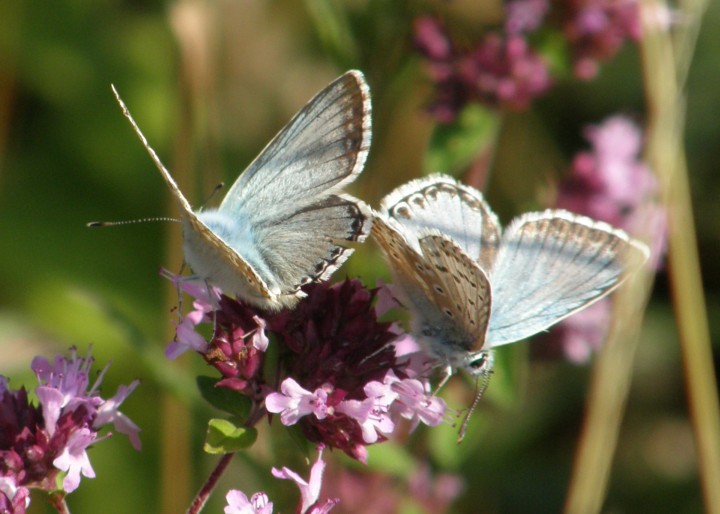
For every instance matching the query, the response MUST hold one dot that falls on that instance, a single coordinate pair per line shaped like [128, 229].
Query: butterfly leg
[447, 373]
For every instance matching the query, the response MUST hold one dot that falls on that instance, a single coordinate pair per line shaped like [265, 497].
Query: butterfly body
[472, 287]
[282, 223]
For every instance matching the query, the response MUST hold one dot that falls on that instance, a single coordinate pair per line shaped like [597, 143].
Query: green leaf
[223, 398]
[224, 436]
[454, 146]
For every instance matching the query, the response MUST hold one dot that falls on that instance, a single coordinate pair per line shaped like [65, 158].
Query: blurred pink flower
[609, 183]
[524, 15]
[501, 71]
[597, 29]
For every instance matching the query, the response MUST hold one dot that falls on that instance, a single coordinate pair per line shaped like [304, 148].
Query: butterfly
[472, 287]
[280, 225]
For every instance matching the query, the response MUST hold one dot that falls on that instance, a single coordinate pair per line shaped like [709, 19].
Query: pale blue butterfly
[471, 287]
[279, 226]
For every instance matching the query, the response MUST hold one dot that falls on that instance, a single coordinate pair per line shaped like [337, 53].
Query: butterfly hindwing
[305, 246]
[456, 210]
[461, 289]
[552, 264]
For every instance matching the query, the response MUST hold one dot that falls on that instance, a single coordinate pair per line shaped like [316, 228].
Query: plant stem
[666, 106]
[57, 500]
[201, 499]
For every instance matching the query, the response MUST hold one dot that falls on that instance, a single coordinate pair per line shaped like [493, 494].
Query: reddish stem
[202, 496]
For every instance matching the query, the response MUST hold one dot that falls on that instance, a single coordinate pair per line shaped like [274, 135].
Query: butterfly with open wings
[472, 287]
[281, 224]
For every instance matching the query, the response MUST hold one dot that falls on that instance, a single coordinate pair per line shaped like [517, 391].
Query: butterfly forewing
[321, 149]
[552, 264]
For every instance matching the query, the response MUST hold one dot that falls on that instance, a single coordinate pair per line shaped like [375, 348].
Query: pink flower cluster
[39, 442]
[610, 183]
[503, 70]
[337, 372]
[597, 29]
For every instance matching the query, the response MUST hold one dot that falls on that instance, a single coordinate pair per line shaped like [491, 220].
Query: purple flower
[501, 71]
[597, 29]
[74, 459]
[108, 412]
[294, 402]
[335, 366]
[238, 503]
[38, 442]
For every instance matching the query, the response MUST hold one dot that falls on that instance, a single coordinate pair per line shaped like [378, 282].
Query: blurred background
[210, 83]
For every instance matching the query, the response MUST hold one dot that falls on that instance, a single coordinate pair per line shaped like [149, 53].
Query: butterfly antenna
[127, 222]
[480, 386]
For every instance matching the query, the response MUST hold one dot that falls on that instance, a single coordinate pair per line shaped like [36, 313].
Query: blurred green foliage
[225, 76]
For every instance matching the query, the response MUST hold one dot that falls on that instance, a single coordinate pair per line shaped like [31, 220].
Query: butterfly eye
[479, 365]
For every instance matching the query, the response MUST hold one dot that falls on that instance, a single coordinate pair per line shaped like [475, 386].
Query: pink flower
[186, 338]
[309, 490]
[74, 459]
[13, 499]
[295, 402]
[372, 413]
[108, 413]
[332, 358]
[238, 503]
[416, 403]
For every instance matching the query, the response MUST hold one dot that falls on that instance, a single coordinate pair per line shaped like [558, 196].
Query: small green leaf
[224, 436]
[223, 398]
[454, 146]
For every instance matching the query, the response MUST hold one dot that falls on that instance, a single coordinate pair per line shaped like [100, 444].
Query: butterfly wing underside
[461, 289]
[288, 218]
[436, 286]
[323, 148]
[460, 212]
[552, 264]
